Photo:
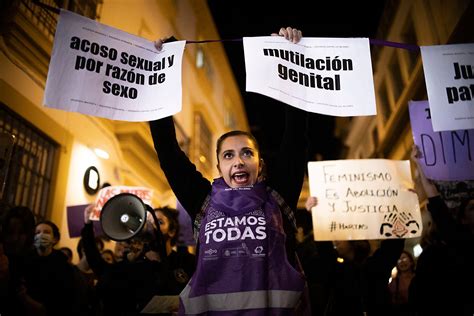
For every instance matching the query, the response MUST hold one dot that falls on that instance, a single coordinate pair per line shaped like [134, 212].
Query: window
[199, 57]
[46, 20]
[183, 139]
[30, 30]
[28, 181]
[86, 8]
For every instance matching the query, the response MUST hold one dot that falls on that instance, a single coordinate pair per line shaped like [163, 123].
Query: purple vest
[243, 268]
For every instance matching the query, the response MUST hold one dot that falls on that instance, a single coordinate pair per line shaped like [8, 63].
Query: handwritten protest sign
[101, 71]
[331, 76]
[449, 77]
[363, 199]
[447, 156]
[106, 193]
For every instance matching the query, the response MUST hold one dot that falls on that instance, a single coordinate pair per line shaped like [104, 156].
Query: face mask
[43, 241]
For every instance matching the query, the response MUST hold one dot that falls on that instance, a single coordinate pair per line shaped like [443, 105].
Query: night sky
[237, 19]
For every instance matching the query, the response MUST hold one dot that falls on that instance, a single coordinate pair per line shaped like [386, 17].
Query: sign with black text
[446, 156]
[101, 71]
[363, 199]
[331, 76]
[449, 77]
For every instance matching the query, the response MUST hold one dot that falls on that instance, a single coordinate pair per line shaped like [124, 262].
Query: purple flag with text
[448, 155]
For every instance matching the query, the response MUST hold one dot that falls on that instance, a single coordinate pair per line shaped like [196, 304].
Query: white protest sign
[363, 199]
[101, 71]
[449, 78]
[145, 194]
[331, 76]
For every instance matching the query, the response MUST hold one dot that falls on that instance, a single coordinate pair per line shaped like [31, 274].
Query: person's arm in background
[428, 186]
[440, 213]
[94, 258]
[376, 274]
[10, 295]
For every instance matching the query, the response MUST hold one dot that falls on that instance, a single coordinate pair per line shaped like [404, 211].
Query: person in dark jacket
[348, 278]
[444, 273]
[180, 264]
[125, 287]
[245, 224]
[16, 245]
[49, 278]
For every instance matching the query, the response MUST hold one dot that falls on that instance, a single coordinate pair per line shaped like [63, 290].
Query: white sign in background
[101, 71]
[105, 194]
[331, 76]
[449, 77]
[363, 199]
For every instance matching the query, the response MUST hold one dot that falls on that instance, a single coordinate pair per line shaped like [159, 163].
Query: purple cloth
[242, 245]
[185, 237]
[75, 221]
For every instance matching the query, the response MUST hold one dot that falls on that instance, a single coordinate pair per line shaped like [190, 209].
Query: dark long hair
[172, 215]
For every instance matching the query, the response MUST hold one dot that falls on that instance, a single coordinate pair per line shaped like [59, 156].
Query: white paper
[363, 199]
[101, 71]
[303, 75]
[449, 78]
[162, 304]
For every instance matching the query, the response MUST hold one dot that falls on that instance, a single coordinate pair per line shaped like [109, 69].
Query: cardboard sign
[363, 199]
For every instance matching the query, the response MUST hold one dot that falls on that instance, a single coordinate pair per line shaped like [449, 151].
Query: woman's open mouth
[240, 177]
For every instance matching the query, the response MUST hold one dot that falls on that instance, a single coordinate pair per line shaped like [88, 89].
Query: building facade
[53, 149]
[398, 77]
[398, 74]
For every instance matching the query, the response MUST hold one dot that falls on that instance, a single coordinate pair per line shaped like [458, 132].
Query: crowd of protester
[343, 277]
[38, 279]
[150, 272]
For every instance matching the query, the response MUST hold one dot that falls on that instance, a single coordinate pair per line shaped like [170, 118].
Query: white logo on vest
[235, 228]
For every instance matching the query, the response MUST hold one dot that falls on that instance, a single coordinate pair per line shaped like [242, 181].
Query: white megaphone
[123, 216]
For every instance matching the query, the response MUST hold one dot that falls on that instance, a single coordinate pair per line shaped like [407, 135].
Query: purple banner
[186, 237]
[75, 221]
[447, 156]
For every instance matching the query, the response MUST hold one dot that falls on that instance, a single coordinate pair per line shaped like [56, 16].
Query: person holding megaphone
[125, 287]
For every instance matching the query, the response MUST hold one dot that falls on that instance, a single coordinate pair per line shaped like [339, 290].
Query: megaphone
[123, 216]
